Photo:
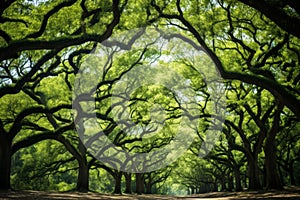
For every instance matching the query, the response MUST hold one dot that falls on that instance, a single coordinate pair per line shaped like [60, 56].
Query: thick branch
[28, 141]
[277, 15]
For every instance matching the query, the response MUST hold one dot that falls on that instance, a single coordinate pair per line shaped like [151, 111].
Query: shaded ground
[288, 193]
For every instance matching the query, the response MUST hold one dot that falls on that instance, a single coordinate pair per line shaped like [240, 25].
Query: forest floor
[288, 194]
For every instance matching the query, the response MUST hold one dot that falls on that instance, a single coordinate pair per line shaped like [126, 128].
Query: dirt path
[288, 194]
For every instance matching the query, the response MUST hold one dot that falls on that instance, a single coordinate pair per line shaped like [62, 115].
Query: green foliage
[44, 44]
[31, 171]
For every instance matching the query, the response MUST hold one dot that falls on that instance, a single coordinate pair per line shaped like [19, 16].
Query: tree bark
[223, 184]
[148, 184]
[281, 175]
[237, 176]
[230, 182]
[245, 183]
[83, 177]
[5, 162]
[83, 173]
[276, 14]
[118, 181]
[139, 183]
[215, 187]
[188, 191]
[254, 181]
[192, 190]
[291, 173]
[148, 188]
[128, 183]
[272, 176]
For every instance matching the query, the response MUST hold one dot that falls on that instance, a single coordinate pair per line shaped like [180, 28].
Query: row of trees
[45, 44]
[245, 155]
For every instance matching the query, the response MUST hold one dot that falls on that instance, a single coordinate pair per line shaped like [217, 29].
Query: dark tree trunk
[237, 176]
[223, 184]
[5, 162]
[148, 184]
[264, 178]
[127, 183]
[197, 190]
[148, 188]
[215, 187]
[83, 173]
[291, 173]
[188, 191]
[230, 182]
[245, 179]
[192, 190]
[254, 182]
[281, 175]
[118, 181]
[272, 176]
[139, 183]
[83, 177]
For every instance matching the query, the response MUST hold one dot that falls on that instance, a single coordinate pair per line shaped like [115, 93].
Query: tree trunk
[254, 182]
[139, 183]
[188, 191]
[292, 177]
[237, 176]
[83, 173]
[197, 190]
[264, 177]
[83, 177]
[230, 182]
[148, 188]
[281, 175]
[149, 185]
[127, 183]
[245, 178]
[192, 190]
[223, 184]
[118, 181]
[272, 176]
[215, 187]
[5, 162]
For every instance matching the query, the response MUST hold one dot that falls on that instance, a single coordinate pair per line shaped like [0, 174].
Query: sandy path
[291, 194]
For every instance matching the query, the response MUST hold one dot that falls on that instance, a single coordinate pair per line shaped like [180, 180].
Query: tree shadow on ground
[288, 194]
